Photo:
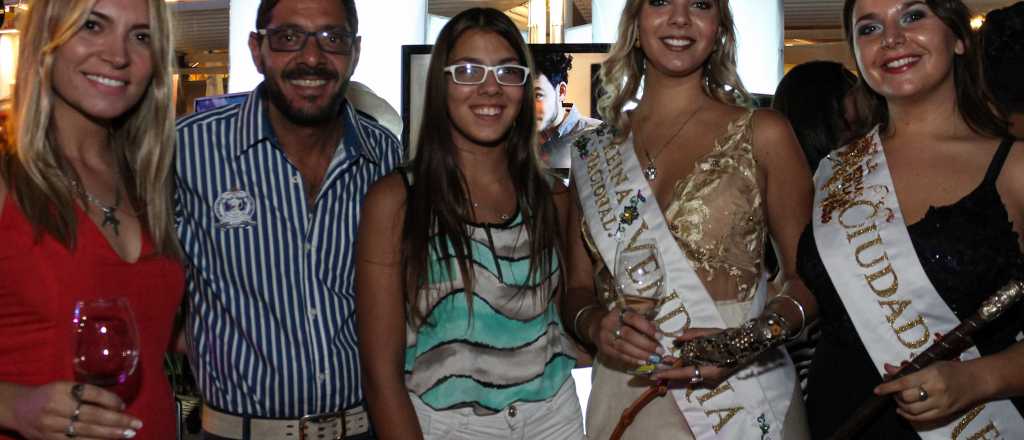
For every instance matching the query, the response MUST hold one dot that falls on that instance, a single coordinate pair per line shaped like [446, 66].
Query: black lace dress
[968, 250]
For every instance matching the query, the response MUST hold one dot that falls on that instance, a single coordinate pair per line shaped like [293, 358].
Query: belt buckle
[321, 418]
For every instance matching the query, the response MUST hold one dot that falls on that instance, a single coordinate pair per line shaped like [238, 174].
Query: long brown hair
[142, 139]
[973, 99]
[625, 66]
[437, 204]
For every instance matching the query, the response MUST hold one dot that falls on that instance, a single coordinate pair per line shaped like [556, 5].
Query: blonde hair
[625, 66]
[142, 139]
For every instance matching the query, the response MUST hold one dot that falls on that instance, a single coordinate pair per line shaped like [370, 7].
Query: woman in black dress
[914, 225]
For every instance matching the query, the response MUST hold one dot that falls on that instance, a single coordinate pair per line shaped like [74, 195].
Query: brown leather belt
[335, 426]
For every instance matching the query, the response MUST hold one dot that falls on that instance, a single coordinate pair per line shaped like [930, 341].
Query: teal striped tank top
[512, 349]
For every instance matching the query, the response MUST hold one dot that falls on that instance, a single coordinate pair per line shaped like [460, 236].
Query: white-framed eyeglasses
[505, 74]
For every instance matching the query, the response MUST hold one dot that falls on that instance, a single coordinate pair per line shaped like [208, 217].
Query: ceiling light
[977, 22]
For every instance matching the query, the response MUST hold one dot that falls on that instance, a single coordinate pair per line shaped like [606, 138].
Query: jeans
[558, 418]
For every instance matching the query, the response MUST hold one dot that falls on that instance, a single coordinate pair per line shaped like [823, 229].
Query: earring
[720, 44]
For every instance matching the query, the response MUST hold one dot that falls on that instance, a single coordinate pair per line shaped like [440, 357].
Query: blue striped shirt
[271, 291]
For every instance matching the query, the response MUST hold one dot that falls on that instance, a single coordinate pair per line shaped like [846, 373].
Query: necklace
[109, 217]
[502, 216]
[651, 171]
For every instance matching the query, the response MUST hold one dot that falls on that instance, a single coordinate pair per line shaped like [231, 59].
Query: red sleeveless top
[39, 285]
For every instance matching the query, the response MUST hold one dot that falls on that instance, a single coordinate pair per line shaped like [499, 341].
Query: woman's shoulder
[386, 196]
[766, 121]
[1011, 177]
[764, 127]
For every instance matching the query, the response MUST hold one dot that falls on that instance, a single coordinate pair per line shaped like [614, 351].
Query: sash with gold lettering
[865, 246]
[619, 205]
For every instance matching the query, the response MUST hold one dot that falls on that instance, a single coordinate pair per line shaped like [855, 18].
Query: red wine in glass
[106, 341]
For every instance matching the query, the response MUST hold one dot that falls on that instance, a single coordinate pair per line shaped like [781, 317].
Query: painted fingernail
[654, 359]
[136, 424]
[660, 350]
[128, 433]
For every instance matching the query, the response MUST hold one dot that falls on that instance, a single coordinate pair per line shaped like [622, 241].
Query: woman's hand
[626, 337]
[935, 393]
[62, 410]
[702, 376]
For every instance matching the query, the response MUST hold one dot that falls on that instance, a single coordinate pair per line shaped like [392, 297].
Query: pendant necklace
[651, 171]
[109, 217]
[503, 217]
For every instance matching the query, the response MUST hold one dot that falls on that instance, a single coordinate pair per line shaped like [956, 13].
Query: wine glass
[640, 281]
[106, 341]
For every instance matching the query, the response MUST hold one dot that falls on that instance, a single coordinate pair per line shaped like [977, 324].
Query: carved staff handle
[948, 347]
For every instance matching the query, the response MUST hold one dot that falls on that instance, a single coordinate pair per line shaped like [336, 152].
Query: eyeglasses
[505, 74]
[291, 39]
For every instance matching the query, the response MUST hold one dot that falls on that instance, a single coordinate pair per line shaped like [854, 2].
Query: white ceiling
[203, 24]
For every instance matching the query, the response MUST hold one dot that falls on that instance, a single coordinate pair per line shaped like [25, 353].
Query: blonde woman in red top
[85, 213]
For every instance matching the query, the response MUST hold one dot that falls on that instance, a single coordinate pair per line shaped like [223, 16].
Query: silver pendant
[110, 219]
[650, 172]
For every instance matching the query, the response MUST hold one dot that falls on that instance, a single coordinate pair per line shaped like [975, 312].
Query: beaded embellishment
[847, 182]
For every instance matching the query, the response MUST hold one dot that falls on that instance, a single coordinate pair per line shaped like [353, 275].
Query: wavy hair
[974, 101]
[623, 70]
[437, 205]
[142, 139]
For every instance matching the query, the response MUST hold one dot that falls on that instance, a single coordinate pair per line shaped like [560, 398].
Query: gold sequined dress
[717, 218]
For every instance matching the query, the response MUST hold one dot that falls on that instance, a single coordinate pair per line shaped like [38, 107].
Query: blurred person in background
[1003, 40]
[556, 124]
[814, 98]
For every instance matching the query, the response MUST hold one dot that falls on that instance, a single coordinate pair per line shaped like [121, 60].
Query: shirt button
[321, 377]
[307, 247]
[513, 411]
[296, 179]
[312, 313]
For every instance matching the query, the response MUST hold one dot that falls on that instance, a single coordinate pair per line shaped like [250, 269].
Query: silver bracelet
[800, 307]
[576, 320]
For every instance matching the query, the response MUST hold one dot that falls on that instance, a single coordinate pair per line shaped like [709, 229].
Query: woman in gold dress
[694, 165]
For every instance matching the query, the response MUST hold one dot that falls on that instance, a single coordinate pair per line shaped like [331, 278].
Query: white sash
[619, 205]
[865, 246]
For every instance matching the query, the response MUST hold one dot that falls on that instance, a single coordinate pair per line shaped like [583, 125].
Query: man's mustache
[306, 72]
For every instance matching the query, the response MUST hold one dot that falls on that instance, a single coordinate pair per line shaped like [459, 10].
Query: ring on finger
[697, 377]
[70, 432]
[617, 333]
[77, 413]
[76, 391]
[922, 395]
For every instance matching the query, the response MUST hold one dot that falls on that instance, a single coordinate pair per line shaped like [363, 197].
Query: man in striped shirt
[268, 199]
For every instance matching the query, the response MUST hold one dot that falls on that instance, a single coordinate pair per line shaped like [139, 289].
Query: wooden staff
[629, 414]
[947, 347]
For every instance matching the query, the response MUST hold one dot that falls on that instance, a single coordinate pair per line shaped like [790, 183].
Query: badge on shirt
[234, 209]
